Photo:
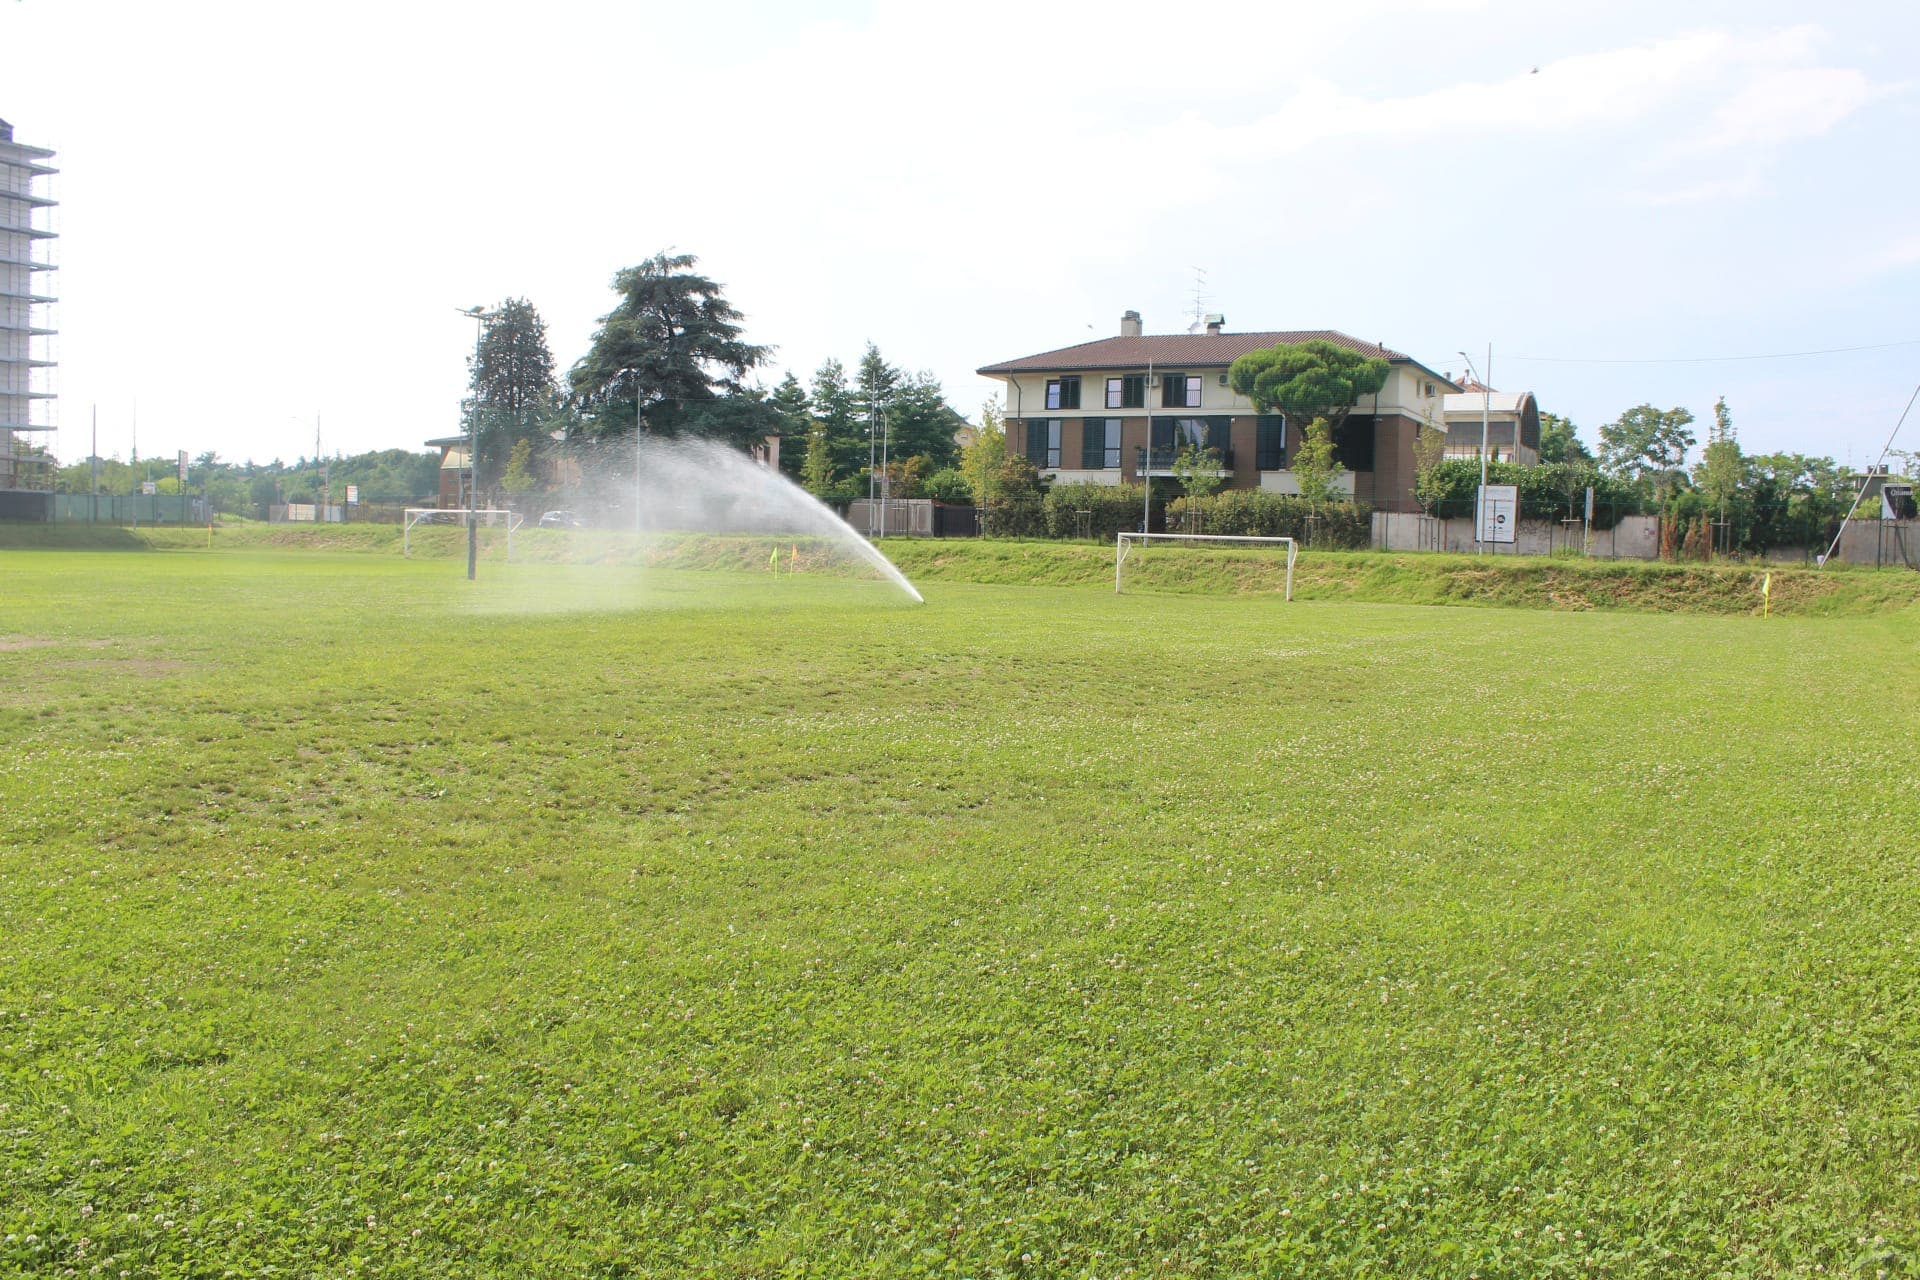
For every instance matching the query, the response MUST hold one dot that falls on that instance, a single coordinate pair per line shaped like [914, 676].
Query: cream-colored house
[1511, 419]
[1102, 410]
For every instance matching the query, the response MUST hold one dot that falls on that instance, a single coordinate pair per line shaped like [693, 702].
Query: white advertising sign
[353, 495]
[1499, 512]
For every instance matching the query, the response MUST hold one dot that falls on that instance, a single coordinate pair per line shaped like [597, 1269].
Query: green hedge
[1258, 513]
[1554, 491]
[1017, 515]
[1109, 507]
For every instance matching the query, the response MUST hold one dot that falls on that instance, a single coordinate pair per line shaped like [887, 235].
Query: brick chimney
[1130, 324]
[1215, 324]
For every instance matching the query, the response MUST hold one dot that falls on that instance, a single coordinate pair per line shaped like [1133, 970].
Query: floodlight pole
[1486, 412]
[1146, 454]
[480, 317]
[873, 427]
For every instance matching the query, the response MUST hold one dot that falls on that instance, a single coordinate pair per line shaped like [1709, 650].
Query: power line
[1776, 355]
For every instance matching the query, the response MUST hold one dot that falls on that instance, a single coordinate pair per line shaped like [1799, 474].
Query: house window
[1063, 393]
[1180, 391]
[1043, 442]
[1127, 392]
[1171, 435]
[1354, 448]
[1100, 444]
[1270, 442]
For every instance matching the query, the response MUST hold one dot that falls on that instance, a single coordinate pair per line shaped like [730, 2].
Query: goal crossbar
[485, 517]
[1124, 542]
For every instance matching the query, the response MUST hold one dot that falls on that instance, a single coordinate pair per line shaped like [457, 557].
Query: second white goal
[1124, 543]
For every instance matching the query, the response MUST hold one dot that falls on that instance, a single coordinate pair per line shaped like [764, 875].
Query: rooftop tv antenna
[1198, 320]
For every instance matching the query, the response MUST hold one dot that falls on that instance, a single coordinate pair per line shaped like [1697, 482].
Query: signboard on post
[1499, 512]
[353, 495]
[183, 471]
[149, 487]
[1896, 502]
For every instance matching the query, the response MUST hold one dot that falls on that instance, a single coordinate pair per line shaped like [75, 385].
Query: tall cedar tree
[833, 409]
[789, 400]
[670, 347]
[510, 385]
[921, 424]
[873, 392]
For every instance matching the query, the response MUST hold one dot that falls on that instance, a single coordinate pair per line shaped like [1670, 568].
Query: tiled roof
[1178, 351]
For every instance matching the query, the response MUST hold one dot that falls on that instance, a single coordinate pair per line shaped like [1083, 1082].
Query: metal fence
[128, 508]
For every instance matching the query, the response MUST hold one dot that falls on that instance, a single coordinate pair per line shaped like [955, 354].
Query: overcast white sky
[270, 211]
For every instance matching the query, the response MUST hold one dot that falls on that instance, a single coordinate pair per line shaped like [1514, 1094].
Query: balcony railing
[1163, 459]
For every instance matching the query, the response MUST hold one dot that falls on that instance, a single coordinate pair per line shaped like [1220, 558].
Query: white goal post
[487, 518]
[1124, 542]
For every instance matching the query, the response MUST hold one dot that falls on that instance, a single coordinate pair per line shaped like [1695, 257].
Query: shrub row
[1105, 509]
[1554, 491]
[1258, 513]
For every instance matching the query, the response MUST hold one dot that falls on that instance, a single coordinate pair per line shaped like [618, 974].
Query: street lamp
[480, 317]
[1486, 411]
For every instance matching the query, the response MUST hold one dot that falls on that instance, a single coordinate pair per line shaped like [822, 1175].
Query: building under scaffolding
[27, 417]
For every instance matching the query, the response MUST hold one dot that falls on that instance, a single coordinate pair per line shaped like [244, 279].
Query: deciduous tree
[981, 460]
[1648, 446]
[1315, 463]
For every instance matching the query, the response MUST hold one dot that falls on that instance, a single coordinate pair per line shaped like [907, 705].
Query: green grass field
[586, 921]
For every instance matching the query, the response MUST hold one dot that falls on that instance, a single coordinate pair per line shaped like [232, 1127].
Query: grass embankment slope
[1528, 582]
[358, 919]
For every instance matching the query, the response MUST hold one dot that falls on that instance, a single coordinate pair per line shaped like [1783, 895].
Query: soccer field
[355, 919]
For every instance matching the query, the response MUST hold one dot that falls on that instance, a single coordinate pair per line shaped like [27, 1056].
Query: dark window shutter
[1093, 439]
[1037, 441]
[1270, 444]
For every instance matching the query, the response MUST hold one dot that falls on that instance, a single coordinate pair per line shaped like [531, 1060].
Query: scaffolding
[28, 400]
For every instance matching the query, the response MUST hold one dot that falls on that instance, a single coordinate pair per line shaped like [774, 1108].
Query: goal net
[456, 517]
[1125, 544]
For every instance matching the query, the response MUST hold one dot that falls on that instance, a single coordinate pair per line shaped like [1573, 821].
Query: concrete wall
[1865, 542]
[1634, 538]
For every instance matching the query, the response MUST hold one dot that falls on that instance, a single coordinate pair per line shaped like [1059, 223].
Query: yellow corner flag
[773, 560]
[793, 559]
[1766, 596]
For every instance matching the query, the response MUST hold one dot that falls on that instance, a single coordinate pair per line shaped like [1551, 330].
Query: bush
[949, 485]
[1259, 513]
[1013, 506]
[1110, 508]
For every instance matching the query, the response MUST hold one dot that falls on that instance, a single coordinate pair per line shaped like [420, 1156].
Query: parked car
[562, 520]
